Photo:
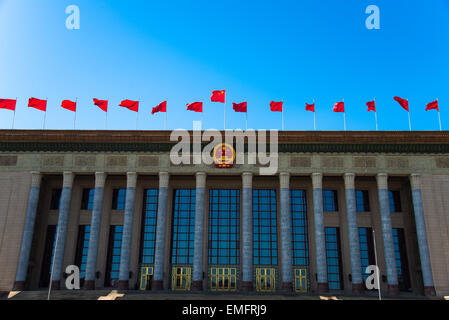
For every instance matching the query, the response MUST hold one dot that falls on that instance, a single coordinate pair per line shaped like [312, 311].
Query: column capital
[36, 178]
[317, 180]
[382, 180]
[100, 179]
[415, 181]
[349, 180]
[131, 179]
[163, 179]
[284, 180]
[247, 180]
[201, 179]
[68, 177]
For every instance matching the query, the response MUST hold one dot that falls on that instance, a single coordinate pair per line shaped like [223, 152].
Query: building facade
[113, 204]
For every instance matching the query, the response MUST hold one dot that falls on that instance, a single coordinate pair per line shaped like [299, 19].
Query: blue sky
[257, 50]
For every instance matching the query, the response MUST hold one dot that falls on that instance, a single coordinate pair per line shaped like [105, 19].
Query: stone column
[424, 255]
[125, 253]
[387, 233]
[247, 232]
[320, 244]
[286, 235]
[63, 220]
[197, 281]
[91, 264]
[161, 226]
[27, 237]
[353, 233]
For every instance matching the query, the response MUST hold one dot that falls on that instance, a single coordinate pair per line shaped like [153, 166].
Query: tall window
[118, 199]
[264, 227]
[149, 218]
[298, 212]
[82, 248]
[113, 260]
[330, 200]
[47, 261]
[87, 201]
[395, 201]
[362, 200]
[55, 199]
[333, 258]
[183, 226]
[400, 254]
[224, 213]
[366, 250]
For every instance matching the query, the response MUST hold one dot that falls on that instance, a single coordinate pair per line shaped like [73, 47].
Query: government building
[114, 204]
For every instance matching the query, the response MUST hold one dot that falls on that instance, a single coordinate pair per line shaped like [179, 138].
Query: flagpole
[137, 115]
[246, 119]
[282, 115]
[74, 121]
[439, 118]
[14, 116]
[314, 119]
[45, 114]
[165, 122]
[224, 107]
[106, 121]
[375, 114]
[344, 115]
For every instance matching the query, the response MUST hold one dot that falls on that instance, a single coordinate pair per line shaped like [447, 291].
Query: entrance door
[300, 280]
[223, 279]
[265, 279]
[146, 275]
[181, 278]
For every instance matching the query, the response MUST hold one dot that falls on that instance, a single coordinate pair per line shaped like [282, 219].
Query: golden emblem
[224, 155]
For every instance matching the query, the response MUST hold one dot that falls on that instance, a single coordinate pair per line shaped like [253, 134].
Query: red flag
[69, 105]
[195, 106]
[432, 105]
[310, 107]
[218, 96]
[38, 104]
[339, 107]
[371, 106]
[8, 104]
[131, 105]
[402, 102]
[240, 107]
[161, 107]
[102, 104]
[276, 106]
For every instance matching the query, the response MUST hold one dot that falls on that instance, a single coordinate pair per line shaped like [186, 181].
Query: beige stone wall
[435, 190]
[14, 188]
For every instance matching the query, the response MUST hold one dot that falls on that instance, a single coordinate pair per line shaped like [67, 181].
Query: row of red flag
[217, 96]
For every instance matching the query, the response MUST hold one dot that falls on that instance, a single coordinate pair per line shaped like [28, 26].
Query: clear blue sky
[257, 50]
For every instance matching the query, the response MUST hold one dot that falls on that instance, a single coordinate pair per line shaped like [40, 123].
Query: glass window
[47, 261]
[113, 264]
[264, 227]
[224, 231]
[366, 250]
[55, 199]
[149, 219]
[118, 199]
[333, 258]
[362, 200]
[400, 254]
[82, 249]
[87, 201]
[183, 226]
[395, 200]
[330, 200]
[298, 212]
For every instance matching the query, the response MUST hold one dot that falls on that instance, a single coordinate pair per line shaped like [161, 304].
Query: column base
[56, 285]
[287, 287]
[393, 289]
[197, 285]
[89, 284]
[19, 286]
[357, 288]
[123, 285]
[322, 287]
[429, 291]
[246, 286]
[157, 285]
